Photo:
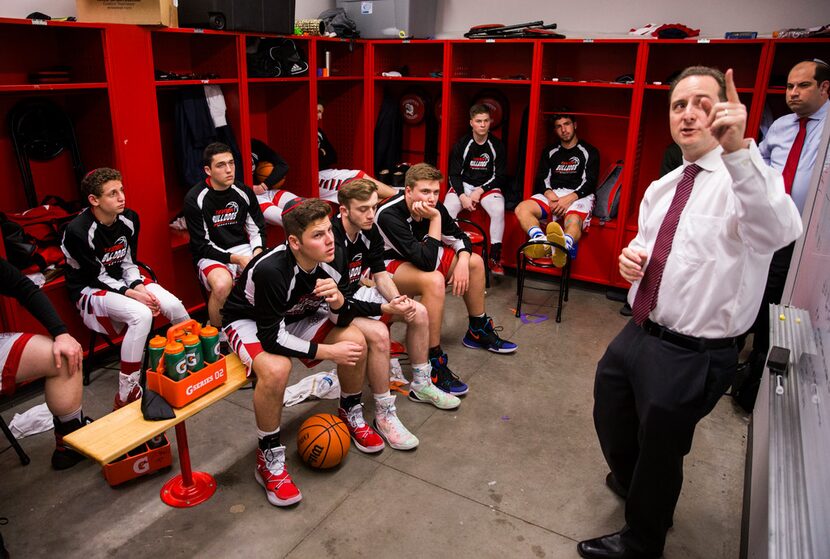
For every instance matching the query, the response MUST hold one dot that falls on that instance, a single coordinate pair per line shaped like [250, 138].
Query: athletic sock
[535, 232]
[77, 414]
[420, 375]
[478, 322]
[381, 396]
[268, 440]
[348, 401]
[569, 241]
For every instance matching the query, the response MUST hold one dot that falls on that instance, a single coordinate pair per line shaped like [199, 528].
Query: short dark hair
[479, 109]
[561, 113]
[358, 189]
[93, 183]
[701, 71]
[422, 172]
[214, 149]
[296, 219]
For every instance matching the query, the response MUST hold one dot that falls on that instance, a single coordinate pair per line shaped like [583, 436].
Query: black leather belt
[684, 341]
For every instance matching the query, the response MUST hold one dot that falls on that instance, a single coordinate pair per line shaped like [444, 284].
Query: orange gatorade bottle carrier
[199, 382]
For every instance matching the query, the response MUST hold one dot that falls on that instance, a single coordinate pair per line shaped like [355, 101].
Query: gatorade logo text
[214, 378]
[226, 215]
[142, 465]
[181, 368]
[191, 360]
[480, 162]
[116, 253]
[569, 166]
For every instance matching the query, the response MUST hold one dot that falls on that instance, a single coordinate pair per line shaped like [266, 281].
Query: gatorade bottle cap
[158, 342]
[174, 347]
[208, 331]
[190, 339]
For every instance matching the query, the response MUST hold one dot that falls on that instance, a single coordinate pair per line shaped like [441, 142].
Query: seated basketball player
[478, 167]
[225, 224]
[355, 231]
[57, 358]
[421, 239]
[104, 282]
[288, 304]
[269, 171]
[565, 184]
[332, 178]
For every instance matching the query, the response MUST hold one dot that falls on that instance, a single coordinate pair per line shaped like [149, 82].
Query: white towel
[31, 422]
[323, 385]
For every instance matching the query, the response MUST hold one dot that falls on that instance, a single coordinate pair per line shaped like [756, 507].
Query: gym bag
[608, 193]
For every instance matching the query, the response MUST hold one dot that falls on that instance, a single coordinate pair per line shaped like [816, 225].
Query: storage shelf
[406, 79]
[666, 88]
[51, 87]
[602, 85]
[339, 78]
[491, 81]
[176, 83]
[603, 115]
[297, 79]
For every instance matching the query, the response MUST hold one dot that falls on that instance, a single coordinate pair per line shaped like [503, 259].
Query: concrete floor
[515, 472]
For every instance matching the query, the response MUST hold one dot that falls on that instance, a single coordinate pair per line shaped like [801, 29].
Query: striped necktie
[646, 298]
[791, 167]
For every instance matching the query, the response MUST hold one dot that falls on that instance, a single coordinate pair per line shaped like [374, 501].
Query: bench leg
[189, 488]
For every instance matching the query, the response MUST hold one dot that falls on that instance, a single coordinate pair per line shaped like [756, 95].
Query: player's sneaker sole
[440, 400]
[555, 234]
[411, 444]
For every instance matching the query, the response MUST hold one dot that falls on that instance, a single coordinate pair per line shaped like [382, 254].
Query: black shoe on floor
[626, 310]
[609, 547]
[64, 457]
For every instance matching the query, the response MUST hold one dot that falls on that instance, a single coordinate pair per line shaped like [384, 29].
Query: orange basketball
[323, 441]
[263, 170]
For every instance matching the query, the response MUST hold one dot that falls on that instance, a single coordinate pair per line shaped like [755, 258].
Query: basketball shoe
[487, 338]
[365, 438]
[430, 394]
[64, 457]
[271, 474]
[390, 427]
[555, 234]
[444, 378]
[134, 394]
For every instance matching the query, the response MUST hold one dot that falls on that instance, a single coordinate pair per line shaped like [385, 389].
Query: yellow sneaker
[555, 234]
[537, 251]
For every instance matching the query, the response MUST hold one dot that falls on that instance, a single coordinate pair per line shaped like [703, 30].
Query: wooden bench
[113, 435]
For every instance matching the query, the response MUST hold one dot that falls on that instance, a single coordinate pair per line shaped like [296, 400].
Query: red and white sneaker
[496, 268]
[365, 438]
[271, 474]
[135, 394]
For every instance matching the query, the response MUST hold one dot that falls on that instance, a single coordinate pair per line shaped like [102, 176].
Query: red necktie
[646, 298]
[795, 154]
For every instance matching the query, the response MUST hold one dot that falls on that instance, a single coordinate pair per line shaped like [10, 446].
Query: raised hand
[727, 119]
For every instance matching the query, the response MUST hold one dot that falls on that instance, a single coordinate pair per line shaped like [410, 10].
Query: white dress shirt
[737, 215]
[775, 148]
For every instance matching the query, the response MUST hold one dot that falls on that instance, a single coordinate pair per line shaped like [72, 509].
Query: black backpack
[275, 57]
[337, 22]
[608, 193]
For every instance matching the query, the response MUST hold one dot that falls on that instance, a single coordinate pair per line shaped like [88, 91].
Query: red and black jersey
[101, 256]
[275, 291]
[479, 165]
[575, 168]
[14, 284]
[219, 220]
[407, 239]
[364, 253]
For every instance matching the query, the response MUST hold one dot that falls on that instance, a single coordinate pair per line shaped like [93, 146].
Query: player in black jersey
[271, 195]
[104, 282]
[355, 230]
[565, 184]
[57, 359]
[225, 224]
[421, 239]
[478, 171]
[289, 303]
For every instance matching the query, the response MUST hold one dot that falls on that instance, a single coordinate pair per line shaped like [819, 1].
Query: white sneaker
[431, 394]
[390, 427]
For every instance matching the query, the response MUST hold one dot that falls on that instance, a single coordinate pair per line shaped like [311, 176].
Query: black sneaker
[444, 378]
[64, 457]
[487, 338]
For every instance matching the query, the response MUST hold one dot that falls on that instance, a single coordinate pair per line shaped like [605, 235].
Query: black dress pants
[649, 395]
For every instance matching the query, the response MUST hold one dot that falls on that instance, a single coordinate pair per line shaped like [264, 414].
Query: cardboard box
[137, 12]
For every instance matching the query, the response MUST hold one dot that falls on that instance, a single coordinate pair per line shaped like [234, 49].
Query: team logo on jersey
[355, 266]
[116, 253]
[480, 162]
[307, 304]
[569, 166]
[226, 215]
